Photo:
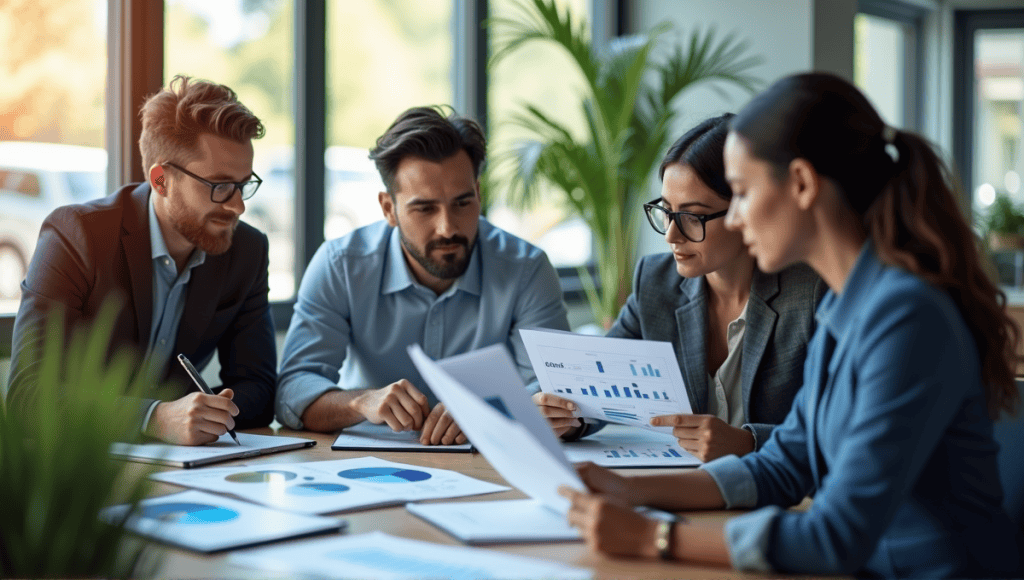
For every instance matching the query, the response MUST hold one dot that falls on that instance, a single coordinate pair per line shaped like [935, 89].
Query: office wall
[790, 36]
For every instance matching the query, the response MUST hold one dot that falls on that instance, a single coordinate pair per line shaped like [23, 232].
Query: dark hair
[173, 119]
[906, 200]
[701, 148]
[427, 133]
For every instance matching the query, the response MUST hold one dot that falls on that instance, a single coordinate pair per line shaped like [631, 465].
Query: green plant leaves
[627, 107]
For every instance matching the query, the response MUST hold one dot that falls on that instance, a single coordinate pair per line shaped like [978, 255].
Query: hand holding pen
[198, 380]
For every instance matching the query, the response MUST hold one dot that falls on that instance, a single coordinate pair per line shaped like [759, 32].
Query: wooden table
[398, 522]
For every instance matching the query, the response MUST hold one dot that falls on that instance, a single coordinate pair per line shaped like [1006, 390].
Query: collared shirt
[725, 397]
[359, 307]
[169, 289]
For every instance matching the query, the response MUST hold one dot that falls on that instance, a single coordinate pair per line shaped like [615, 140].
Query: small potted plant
[1004, 224]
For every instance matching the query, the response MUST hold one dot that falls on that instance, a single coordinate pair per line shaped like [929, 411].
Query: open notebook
[223, 449]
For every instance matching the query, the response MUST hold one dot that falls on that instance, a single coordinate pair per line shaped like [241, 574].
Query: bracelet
[663, 538]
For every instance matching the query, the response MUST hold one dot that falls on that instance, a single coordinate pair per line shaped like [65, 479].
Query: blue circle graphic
[385, 474]
[189, 513]
[316, 489]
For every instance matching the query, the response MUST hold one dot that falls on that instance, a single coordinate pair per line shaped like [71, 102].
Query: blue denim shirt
[892, 434]
[359, 307]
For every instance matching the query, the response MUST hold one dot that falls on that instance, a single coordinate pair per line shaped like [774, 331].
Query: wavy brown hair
[905, 195]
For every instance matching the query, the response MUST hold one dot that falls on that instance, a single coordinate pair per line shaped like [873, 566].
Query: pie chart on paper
[316, 489]
[189, 513]
[385, 474]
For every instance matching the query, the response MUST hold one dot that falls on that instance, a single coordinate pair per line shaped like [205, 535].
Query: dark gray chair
[1009, 433]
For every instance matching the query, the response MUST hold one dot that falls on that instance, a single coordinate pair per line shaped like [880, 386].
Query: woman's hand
[707, 437]
[610, 484]
[559, 412]
[609, 526]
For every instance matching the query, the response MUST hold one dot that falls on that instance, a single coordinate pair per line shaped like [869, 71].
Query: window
[383, 57]
[886, 60]
[526, 77]
[248, 46]
[54, 60]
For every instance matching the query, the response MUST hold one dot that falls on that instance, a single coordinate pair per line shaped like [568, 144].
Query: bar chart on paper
[617, 380]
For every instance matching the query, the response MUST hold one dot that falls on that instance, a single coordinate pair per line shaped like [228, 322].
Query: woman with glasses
[740, 335]
[913, 358]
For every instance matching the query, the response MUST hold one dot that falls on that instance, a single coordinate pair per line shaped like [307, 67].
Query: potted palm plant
[56, 472]
[1004, 224]
[627, 105]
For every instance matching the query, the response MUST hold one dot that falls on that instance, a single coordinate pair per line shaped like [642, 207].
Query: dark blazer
[91, 252]
[780, 321]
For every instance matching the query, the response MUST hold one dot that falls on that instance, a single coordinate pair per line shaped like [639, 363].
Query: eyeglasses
[693, 226]
[221, 191]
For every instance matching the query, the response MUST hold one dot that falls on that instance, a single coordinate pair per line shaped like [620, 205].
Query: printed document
[618, 380]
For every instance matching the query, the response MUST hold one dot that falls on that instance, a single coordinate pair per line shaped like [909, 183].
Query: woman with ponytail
[912, 359]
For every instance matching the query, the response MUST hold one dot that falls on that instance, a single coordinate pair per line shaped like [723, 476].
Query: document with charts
[619, 380]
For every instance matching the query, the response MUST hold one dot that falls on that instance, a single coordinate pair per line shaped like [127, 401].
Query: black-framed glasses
[693, 226]
[221, 191]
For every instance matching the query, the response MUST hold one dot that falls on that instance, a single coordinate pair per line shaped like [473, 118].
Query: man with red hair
[189, 276]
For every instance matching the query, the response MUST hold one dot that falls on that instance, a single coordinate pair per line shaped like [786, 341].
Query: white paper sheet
[475, 522]
[380, 556]
[367, 436]
[490, 374]
[211, 523]
[320, 487]
[622, 446]
[516, 453]
[618, 380]
[223, 449]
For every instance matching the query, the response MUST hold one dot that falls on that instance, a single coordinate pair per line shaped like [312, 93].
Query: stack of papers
[210, 523]
[383, 557]
[320, 487]
[369, 437]
[621, 446]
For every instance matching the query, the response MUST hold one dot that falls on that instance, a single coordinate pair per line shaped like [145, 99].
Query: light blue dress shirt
[359, 307]
[892, 434]
[169, 290]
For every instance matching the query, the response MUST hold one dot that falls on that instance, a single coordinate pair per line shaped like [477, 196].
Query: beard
[192, 226]
[449, 266]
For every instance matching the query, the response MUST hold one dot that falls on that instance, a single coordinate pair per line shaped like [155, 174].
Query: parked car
[35, 178]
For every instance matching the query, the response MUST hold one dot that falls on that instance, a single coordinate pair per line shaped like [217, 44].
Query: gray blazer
[780, 322]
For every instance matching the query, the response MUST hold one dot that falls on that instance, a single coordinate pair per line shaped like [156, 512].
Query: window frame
[912, 17]
[965, 24]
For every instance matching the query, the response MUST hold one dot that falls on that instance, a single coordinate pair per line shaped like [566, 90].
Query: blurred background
[328, 76]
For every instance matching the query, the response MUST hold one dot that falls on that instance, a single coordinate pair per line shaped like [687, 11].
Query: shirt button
[167, 261]
[163, 341]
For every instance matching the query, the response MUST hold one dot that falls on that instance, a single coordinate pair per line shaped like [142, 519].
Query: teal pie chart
[189, 513]
[316, 489]
[385, 474]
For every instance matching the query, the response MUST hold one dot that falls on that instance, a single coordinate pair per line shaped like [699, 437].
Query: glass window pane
[999, 90]
[880, 65]
[526, 77]
[248, 46]
[54, 59]
[383, 57]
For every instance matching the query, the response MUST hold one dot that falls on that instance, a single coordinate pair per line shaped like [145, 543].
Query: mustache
[222, 216]
[434, 244]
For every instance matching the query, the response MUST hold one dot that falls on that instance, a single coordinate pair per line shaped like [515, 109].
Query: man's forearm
[332, 411]
[693, 490]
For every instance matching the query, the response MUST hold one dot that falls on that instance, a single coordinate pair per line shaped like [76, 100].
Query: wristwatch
[663, 538]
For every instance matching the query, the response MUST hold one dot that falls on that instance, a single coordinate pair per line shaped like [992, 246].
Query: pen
[198, 380]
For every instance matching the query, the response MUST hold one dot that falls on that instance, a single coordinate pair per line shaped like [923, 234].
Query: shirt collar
[159, 246]
[835, 310]
[397, 276]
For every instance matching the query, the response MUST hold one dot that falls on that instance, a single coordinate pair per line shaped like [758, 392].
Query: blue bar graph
[674, 453]
[632, 368]
[638, 395]
[615, 390]
[568, 391]
[593, 391]
[645, 396]
[657, 373]
[656, 396]
[600, 367]
[628, 395]
[644, 369]
[665, 394]
[607, 394]
[650, 370]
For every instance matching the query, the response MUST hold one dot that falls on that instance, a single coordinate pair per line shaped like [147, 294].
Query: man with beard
[434, 273]
[188, 277]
